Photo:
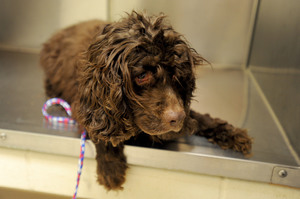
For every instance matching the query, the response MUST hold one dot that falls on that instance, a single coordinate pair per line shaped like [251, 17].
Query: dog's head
[138, 77]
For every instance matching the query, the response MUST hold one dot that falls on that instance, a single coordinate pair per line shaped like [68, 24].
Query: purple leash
[66, 120]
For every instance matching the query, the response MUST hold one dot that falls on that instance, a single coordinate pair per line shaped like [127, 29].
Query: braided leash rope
[58, 119]
[66, 120]
[80, 161]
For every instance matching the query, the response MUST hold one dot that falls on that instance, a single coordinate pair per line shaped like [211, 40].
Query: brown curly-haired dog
[129, 78]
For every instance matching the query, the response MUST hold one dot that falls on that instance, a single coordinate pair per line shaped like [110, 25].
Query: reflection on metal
[230, 94]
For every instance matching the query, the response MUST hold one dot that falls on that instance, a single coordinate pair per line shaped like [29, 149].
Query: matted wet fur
[129, 78]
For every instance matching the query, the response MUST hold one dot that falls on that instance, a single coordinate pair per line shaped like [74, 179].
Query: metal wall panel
[275, 62]
[218, 30]
[27, 24]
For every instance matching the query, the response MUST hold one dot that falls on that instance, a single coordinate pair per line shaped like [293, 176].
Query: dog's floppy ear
[185, 59]
[102, 107]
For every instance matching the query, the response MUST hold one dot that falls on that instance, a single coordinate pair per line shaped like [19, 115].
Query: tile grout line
[222, 191]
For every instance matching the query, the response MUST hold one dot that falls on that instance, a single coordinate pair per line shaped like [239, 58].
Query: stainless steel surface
[218, 30]
[287, 176]
[27, 24]
[22, 94]
[275, 62]
[230, 94]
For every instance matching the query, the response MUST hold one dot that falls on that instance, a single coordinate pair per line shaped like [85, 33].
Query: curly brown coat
[129, 78]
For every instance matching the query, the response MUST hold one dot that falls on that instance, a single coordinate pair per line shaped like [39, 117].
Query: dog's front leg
[111, 165]
[221, 132]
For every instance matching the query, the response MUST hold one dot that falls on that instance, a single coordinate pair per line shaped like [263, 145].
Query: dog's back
[61, 55]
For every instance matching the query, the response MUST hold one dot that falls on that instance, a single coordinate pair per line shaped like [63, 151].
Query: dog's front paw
[229, 137]
[242, 142]
[112, 174]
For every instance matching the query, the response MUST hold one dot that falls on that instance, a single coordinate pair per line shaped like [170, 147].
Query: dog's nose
[174, 118]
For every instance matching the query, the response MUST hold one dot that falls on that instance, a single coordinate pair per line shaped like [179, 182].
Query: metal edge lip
[286, 176]
[203, 164]
[163, 159]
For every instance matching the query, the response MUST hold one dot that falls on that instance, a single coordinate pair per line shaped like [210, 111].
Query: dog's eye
[144, 78]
